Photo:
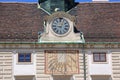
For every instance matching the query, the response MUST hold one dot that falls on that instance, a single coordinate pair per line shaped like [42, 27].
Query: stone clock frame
[50, 36]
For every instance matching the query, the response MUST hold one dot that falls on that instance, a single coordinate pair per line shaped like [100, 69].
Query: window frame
[99, 53]
[24, 57]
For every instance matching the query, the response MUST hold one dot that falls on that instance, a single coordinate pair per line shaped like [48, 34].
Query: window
[99, 57]
[24, 57]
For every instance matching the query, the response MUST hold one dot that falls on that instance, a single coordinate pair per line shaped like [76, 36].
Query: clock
[60, 26]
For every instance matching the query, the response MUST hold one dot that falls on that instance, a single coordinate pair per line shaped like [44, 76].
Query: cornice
[36, 45]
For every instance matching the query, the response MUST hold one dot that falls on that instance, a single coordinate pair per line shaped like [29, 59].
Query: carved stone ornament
[59, 14]
[59, 27]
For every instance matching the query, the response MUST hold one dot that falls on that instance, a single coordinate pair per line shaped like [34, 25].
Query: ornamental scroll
[62, 62]
[59, 14]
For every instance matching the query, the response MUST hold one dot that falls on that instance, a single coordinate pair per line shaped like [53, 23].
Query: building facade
[80, 42]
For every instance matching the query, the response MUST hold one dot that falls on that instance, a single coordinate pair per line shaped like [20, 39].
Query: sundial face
[60, 62]
[60, 26]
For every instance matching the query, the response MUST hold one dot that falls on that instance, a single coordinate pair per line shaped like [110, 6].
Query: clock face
[60, 26]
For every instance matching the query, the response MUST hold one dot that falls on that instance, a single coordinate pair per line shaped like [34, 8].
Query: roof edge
[59, 43]
[20, 2]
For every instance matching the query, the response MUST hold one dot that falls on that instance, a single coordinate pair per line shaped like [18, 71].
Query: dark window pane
[99, 57]
[21, 58]
[102, 57]
[96, 57]
[28, 57]
[21, 55]
[24, 57]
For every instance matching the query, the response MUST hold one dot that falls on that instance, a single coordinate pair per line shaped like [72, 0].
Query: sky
[37, 0]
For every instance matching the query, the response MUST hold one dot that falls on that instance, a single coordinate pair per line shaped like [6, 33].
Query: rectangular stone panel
[59, 62]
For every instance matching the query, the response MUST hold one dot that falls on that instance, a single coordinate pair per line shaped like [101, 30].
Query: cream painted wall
[99, 68]
[24, 68]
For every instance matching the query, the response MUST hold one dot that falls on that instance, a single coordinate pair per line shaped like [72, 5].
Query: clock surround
[64, 33]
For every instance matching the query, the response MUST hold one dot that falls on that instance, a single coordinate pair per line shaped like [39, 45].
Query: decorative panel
[59, 62]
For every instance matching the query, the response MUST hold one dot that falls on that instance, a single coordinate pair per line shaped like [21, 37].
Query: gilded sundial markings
[62, 62]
